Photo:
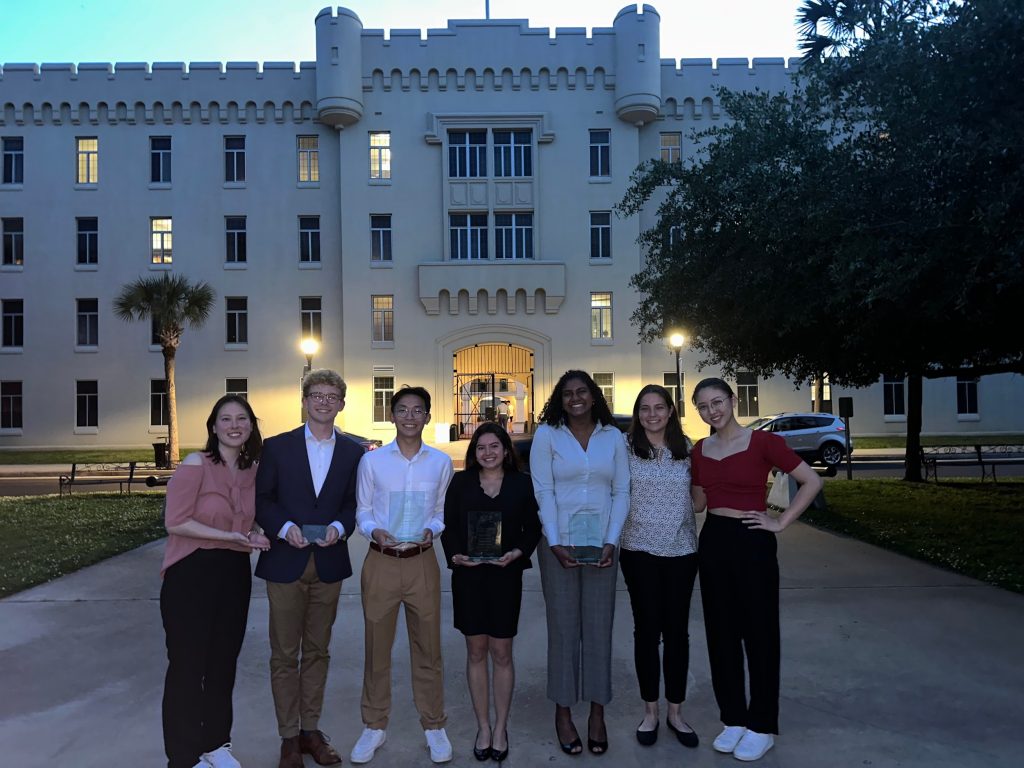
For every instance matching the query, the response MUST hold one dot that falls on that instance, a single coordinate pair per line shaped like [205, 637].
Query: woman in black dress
[486, 595]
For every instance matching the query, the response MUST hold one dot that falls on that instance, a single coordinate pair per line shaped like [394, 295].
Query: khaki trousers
[302, 615]
[387, 583]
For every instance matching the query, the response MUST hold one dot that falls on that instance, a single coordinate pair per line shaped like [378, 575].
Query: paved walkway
[886, 662]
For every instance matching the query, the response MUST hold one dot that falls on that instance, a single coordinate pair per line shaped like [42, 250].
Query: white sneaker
[440, 747]
[753, 745]
[221, 757]
[371, 739]
[729, 738]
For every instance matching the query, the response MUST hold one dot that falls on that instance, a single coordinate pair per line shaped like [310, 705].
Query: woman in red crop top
[739, 572]
[204, 600]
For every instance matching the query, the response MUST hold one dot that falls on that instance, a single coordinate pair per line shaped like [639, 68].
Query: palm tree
[829, 28]
[170, 301]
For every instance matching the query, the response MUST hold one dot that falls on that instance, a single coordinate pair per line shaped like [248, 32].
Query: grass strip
[92, 456]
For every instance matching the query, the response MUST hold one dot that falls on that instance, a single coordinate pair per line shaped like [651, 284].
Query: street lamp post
[309, 347]
[676, 341]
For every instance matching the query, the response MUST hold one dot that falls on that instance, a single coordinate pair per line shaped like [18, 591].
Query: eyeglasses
[325, 397]
[714, 405]
[404, 413]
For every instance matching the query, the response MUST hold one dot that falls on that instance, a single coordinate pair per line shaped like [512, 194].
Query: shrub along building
[434, 209]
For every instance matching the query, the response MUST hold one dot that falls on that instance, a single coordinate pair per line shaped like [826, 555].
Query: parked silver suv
[816, 437]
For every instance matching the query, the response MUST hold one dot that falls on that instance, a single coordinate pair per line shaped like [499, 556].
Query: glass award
[586, 536]
[312, 533]
[407, 515]
[484, 535]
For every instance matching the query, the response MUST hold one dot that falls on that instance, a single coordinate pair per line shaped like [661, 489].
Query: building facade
[435, 208]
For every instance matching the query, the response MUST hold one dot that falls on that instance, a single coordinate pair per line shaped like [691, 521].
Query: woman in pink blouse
[204, 601]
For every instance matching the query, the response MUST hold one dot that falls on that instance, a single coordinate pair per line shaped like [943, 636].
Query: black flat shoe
[499, 755]
[481, 754]
[686, 738]
[647, 738]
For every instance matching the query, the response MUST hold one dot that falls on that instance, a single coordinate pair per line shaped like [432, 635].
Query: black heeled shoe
[500, 755]
[595, 746]
[575, 747]
[686, 738]
[647, 738]
[482, 754]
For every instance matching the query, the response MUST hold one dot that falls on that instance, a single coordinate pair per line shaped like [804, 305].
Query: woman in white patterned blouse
[659, 559]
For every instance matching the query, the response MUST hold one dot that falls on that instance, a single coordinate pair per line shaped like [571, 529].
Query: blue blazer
[284, 492]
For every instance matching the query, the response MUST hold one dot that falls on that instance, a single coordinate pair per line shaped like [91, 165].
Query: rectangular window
[383, 318]
[600, 234]
[160, 159]
[513, 153]
[309, 239]
[380, 237]
[383, 389]
[311, 318]
[14, 241]
[10, 405]
[309, 159]
[87, 404]
[606, 383]
[13, 314]
[513, 235]
[88, 240]
[234, 232]
[467, 233]
[238, 387]
[671, 144]
[601, 315]
[159, 412]
[893, 395]
[234, 159]
[380, 154]
[161, 240]
[672, 385]
[237, 308]
[154, 333]
[467, 154]
[966, 396]
[746, 394]
[88, 154]
[87, 322]
[13, 159]
[600, 153]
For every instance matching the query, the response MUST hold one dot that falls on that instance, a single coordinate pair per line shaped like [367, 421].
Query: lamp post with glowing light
[309, 347]
[676, 341]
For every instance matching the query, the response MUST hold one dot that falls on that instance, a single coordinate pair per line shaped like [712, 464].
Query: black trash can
[453, 432]
[160, 456]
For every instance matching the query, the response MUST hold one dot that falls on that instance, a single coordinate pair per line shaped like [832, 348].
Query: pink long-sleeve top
[212, 495]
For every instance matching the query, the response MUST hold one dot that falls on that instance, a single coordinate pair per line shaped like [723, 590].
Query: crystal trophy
[407, 515]
[313, 533]
[484, 535]
[586, 536]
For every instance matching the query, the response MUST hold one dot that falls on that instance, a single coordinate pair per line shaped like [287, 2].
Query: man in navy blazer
[306, 505]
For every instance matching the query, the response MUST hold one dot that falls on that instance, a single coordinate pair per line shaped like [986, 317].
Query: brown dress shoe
[315, 743]
[291, 753]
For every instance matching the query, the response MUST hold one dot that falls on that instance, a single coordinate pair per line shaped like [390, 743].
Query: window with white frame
[513, 235]
[161, 240]
[14, 241]
[513, 154]
[87, 168]
[606, 383]
[237, 313]
[601, 315]
[467, 154]
[309, 159]
[746, 394]
[13, 148]
[380, 154]
[234, 159]
[380, 237]
[87, 322]
[154, 333]
[309, 239]
[893, 396]
[159, 409]
[88, 240]
[600, 153]
[12, 312]
[966, 396]
[239, 387]
[383, 318]
[235, 239]
[10, 405]
[600, 234]
[670, 147]
[670, 382]
[467, 233]
[311, 323]
[87, 404]
[160, 159]
[383, 390]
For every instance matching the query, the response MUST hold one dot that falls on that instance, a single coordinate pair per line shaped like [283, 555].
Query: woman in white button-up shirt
[580, 472]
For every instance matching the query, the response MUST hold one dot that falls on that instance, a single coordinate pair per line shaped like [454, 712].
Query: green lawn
[899, 441]
[103, 456]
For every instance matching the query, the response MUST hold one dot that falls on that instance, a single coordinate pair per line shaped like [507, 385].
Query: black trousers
[659, 592]
[739, 584]
[204, 603]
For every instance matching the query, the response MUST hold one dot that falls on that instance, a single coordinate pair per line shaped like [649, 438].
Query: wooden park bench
[99, 474]
[985, 456]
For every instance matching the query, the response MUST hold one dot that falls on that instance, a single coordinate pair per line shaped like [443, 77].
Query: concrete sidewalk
[886, 662]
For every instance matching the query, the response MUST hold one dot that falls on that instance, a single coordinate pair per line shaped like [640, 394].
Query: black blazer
[520, 525]
[284, 492]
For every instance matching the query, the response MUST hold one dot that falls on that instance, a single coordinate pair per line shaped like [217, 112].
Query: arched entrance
[488, 378]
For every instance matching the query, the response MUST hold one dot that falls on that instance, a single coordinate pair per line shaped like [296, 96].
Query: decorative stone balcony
[457, 286]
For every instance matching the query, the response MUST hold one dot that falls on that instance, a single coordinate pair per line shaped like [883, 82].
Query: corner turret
[637, 65]
[339, 85]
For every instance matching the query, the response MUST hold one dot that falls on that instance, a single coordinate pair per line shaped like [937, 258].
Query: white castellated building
[438, 209]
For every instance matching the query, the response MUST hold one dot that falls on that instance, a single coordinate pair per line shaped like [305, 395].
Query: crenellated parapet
[161, 93]
[688, 88]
